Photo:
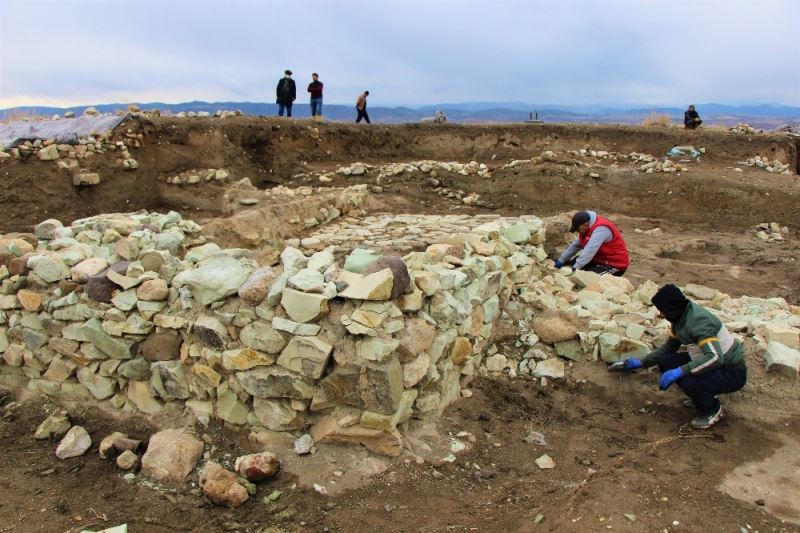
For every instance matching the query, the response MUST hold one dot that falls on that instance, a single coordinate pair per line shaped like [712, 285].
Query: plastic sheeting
[64, 131]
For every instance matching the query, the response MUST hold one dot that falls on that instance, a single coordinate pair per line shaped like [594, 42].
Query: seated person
[691, 119]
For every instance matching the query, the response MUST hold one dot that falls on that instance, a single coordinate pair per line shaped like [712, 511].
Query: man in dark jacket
[713, 365]
[286, 93]
[691, 119]
[600, 243]
[315, 88]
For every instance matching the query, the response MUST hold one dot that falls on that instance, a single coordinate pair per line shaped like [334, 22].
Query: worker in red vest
[601, 246]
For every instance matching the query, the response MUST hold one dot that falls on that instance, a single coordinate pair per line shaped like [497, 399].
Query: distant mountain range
[762, 116]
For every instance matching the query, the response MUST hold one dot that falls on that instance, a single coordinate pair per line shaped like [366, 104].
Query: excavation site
[264, 325]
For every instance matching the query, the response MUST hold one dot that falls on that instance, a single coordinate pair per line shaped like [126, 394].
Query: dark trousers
[692, 125]
[287, 107]
[362, 113]
[599, 268]
[604, 269]
[704, 387]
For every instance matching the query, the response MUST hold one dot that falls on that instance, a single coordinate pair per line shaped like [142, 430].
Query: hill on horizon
[765, 116]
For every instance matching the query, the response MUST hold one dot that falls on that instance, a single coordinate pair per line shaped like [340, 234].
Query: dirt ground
[625, 459]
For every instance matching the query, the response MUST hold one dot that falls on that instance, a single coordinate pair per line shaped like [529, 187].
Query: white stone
[782, 359]
[74, 443]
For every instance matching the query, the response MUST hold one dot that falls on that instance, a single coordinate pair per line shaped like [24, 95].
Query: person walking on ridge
[361, 107]
[285, 93]
[315, 88]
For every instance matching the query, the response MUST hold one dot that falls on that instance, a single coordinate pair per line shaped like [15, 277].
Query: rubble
[741, 127]
[193, 177]
[425, 167]
[771, 232]
[774, 166]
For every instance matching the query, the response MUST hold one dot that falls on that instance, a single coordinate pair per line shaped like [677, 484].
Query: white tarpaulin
[64, 131]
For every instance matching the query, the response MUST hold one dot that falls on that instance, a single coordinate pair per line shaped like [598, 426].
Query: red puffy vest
[612, 253]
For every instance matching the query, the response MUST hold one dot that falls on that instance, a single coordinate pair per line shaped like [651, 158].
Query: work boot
[706, 421]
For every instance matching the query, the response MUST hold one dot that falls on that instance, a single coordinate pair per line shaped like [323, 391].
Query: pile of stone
[584, 316]
[663, 166]
[744, 128]
[193, 177]
[789, 129]
[220, 113]
[425, 167]
[771, 232]
[775, 166]
[404, 233]
[138, 311]
[70, 157]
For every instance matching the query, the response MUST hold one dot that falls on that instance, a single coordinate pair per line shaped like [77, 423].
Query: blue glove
[669, 377]
[558, 264]
[632, 363]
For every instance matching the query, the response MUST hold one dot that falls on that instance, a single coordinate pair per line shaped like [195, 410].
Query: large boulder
[171, 455]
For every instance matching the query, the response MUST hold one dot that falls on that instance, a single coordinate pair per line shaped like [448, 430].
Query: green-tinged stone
[230, 409]
[75, 313]
[100, 387]
[115, 348]
[136, 369]
[570, 349]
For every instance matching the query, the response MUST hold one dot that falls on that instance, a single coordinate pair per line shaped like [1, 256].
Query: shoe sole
[716, 418]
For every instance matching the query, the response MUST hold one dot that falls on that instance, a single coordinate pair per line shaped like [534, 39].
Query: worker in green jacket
[713, 365]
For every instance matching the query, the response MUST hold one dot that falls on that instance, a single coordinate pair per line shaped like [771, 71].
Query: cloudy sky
[572, 52]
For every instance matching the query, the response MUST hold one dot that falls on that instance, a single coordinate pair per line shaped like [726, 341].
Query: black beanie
[670, 301]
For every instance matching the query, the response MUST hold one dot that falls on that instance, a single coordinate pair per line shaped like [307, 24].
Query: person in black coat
[691, 119]
[286, 93]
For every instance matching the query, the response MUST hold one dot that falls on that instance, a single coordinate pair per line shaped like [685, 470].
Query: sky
[410, 53]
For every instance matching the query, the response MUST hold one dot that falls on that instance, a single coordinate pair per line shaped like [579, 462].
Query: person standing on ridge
[361, 107]
[714, 363]
[691, 119]
[285, 93]
[601, 245]
[315, 88]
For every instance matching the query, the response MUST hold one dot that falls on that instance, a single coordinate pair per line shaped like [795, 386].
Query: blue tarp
[64, 131]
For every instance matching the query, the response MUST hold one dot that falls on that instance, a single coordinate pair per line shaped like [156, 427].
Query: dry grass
[656, 120]
[22, 115]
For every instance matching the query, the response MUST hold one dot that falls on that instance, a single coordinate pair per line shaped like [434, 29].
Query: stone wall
[139, 312]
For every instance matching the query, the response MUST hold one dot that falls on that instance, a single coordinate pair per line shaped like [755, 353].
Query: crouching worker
[601, 246]
[713, 365]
